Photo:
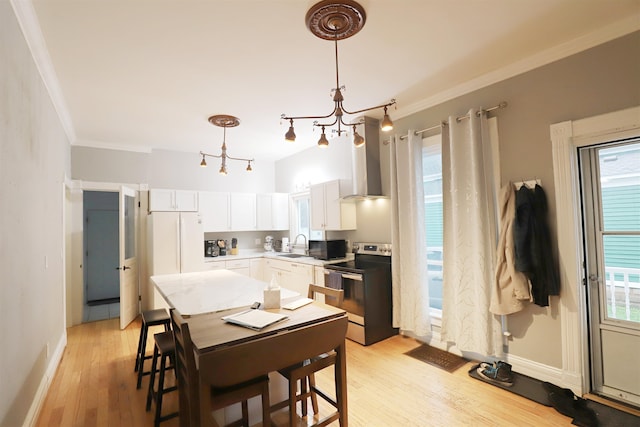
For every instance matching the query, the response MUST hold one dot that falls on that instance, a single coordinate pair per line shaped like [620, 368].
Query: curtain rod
[503, 104]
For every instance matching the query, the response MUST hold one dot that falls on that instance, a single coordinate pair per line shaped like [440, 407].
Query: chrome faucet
[295, 242]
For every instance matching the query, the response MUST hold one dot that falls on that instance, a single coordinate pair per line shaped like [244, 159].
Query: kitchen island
[209, 296]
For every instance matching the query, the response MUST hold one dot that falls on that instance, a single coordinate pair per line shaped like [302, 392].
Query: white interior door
[128, 264]
[611, 189]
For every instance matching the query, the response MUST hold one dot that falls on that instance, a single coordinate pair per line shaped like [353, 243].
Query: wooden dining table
[241, 353]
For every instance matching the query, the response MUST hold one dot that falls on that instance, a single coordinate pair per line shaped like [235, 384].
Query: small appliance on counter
[222, 247]
[210, 248]
[285, 245]
[268, 244]
[327, 249]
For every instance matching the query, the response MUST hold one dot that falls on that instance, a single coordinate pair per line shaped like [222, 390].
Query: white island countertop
[210, 291]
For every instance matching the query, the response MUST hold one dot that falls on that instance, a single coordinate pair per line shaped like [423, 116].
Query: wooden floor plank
[95, 385]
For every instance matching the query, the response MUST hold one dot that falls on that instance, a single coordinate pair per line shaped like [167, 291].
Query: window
[432, 181]
[301, 214]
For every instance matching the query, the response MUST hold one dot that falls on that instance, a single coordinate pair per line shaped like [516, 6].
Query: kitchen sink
[293, 255]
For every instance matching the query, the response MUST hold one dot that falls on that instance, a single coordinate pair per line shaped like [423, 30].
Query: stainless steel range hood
[367, 183]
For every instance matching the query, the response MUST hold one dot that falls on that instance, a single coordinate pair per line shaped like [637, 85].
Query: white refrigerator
[176, 246]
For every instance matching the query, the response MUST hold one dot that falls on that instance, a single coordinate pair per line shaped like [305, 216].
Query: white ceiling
[143, 74]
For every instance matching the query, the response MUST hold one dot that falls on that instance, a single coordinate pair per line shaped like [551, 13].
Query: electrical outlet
[258, 241]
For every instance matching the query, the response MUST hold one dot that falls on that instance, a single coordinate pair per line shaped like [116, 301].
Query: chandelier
[224, 121]
[337, 20]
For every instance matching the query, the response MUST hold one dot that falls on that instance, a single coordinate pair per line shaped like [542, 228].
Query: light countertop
[252, 254]
[210, 291]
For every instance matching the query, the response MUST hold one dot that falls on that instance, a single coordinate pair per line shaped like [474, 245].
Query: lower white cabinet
[291, 275]
[241, 266]
[256, 266]
[318, 275]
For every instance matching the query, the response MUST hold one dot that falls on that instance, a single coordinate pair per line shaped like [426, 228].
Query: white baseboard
[43, 388]
[519, 364]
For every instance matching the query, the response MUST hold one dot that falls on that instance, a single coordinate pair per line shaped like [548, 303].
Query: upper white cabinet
[214, 211]
[243, 211]
[273, 211]
[173, 200]
[328, 212]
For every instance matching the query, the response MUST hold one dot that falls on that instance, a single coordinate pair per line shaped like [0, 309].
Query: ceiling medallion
[224, 121]
[331, 20]
[337, 20]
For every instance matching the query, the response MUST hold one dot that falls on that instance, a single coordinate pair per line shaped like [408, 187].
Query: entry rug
[436, 357]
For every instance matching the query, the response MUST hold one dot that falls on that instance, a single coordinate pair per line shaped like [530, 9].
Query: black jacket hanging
[532, 244]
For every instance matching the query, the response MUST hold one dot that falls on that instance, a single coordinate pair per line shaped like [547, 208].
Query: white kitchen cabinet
[241, 266]
[272, 211]
[291, 275]
[214, 265]
[318, 275]
[173, 200]
[328, 211]
[214, 210]
[256, 267]
[243, 211]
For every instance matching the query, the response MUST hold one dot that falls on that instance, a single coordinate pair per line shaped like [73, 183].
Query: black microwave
[327, 249]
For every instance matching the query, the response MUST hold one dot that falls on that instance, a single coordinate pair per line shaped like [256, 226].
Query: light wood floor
[95, 385]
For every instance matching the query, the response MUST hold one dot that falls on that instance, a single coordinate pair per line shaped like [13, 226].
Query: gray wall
[34, 158]
[602, 79]
[169, 169]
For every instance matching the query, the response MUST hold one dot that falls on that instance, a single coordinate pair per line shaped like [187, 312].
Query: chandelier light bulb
[203, 163]
[323, 142]
[290, 135]
[386, 125]
[358, 140]
[249, 167]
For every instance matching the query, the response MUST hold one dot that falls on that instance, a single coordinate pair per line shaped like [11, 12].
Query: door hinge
[139, 297]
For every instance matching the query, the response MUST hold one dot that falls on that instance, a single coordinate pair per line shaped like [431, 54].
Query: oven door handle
[357, 277]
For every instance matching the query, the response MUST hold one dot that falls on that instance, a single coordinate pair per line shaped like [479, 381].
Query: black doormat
[533, 389]
[436, 357]
[611, 417]
[523, 385]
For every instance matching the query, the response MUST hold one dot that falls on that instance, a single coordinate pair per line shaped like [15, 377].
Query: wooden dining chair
[301, 374]
[192, 396]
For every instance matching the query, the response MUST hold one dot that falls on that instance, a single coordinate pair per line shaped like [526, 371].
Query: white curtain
[469, 241]
[409, 270]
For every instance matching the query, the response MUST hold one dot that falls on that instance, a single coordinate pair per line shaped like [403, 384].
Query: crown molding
[28, 21]
[112, 146]
[613, 31]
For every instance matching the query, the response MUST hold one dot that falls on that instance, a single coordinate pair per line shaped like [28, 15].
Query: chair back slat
[241, 362]
[336, 295]
[186, 372]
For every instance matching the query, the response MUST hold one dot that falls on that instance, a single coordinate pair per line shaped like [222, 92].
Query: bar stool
[164, 350]
[150, 318]
[302, 374]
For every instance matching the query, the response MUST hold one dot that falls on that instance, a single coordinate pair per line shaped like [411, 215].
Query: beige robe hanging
[511, 290]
